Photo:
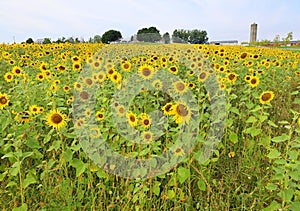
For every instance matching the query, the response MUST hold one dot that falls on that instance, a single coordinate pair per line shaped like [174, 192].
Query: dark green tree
[29, 41]
[111, 36]
[191, 36]
[150, 34]
[47, 41]
[166, 38]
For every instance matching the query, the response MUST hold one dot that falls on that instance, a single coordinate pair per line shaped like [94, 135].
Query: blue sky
[222, 19]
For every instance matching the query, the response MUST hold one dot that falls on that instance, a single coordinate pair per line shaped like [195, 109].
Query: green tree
[97, 39]
[166, 38]
[194, 36]
[47, 41]
[111, 36]
[150, 34]
[276, 40]
[29, 41]
[287, 40]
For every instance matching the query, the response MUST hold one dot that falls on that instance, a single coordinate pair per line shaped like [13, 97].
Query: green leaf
[55, 145]
[30, 179]
[201, 184]
[79, 166]
[251, 119]
[274, 153]
[68, 154]
[288, 194]
[156, 188]
[33, 143]
[274, 206]
[282, 138]
[253, 131]
[24, 207]
[233, 137]
[171, 194]
[271, 186]
[272, 124]
[183, 174]
[295, 206]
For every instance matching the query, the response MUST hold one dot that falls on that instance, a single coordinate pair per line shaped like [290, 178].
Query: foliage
[47, 41]
[29, 41]
[191, 36]
[150, 34]
[111, 36]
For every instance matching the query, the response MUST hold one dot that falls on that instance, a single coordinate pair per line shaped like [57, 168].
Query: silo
[253, 32]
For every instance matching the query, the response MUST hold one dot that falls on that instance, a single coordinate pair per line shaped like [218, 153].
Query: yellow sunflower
[8, 77]
[126, 66]
[132, 119]
[146, 71]
[56, 119]
[173, 69]
[167, 109]
[203, 76]
[254, 81]
[99, 115]
[179, 152]
[34, 109]
[4, 101]
[147, 136]
[17, 71]
[180, 87]
[181, 112]
[145, 120]
[120, 110]
[266, 97]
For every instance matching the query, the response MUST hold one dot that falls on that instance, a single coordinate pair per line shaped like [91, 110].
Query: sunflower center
[146, 72]
[121, 110]
[231, 76]
[56, 118]
[168, 107]
[3, 100]
[173, 69]
[126, 66]
[132, 118]
[84, 95]
[178, 150]
[181, 110]
[9, 76]
[147, 136]
[266, 96]
[180, 86]
[202, 76]
[146, 122]
[89, 81]
[253, 81]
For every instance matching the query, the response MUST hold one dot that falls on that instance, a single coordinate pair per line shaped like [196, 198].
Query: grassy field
[123, 127]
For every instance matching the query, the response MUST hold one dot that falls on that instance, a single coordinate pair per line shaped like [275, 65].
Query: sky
[222, 19]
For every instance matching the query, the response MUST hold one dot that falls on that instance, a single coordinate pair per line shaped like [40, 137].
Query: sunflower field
[149, 127]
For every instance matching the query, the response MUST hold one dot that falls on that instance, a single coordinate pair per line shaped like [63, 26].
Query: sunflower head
[4, 101]
[132, 119]
[56, 119]
[145, 120]
[146, 71]
[266, 97]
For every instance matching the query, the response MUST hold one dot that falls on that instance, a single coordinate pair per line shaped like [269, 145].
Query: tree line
[151, 34]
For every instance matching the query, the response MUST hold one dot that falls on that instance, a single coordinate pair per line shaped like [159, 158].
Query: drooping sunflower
[266, 97]
[4, 101]
[254, 81]
[132, 119]
[23, 117]
[232, 77]
[56, 119]
[167, 109]
[146, 71]
[8, 77]
[157, 84]
[79, 122]
[145, 120]
[181, 112]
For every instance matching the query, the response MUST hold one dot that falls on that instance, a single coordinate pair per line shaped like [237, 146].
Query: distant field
[66, 108]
